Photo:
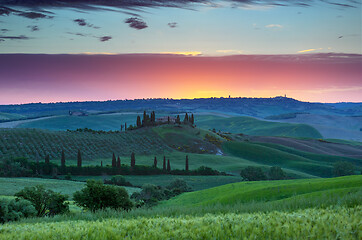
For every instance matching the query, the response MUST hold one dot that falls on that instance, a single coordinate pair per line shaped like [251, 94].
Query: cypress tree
[186, 119]
[118, 162]
[153, 117]
[178, 119]
[168, 120]
[114, 163]
[164, 163]
[47, 159]
[168, 165]
[155, 162]
[192, 119]
[125, 126]
[187, 163]
[62, 162]
[101, 163]
[139, 122]
[79, 159]
[133, 160]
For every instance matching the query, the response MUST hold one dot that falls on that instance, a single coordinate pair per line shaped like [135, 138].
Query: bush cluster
[13, 210]
[252, 173]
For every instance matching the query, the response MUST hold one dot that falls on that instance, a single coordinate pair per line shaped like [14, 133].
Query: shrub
[118, 180]
[276, 173]
[179, 186]
[46, 202]
[252, 174]
[97, 196]
[12, 210]
[343, 169]
[150, 194]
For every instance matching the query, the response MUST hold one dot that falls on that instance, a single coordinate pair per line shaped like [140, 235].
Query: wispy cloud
[191, 53]
[275, 26]
[172, 24]
[336, 89]
[310, 50]
[21, 37]
[230, 51]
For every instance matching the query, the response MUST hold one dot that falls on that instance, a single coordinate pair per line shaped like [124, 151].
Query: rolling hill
[253, 126]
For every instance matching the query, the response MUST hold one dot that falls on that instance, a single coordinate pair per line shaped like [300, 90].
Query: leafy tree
[179, 186]
[46, 202]
[133, 159]
[12, 210]
[150, 194]
[343, 169]
[97, 196]
[276, 173]
[79, 159]
[118, 180]
[164, 163]
[155, 162]
[139, 124]
[114, 161]
[118, 162]
[252, 174]
[187, 163]
[168, 165]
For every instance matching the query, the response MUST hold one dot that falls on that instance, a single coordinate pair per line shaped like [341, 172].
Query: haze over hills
[257, 107]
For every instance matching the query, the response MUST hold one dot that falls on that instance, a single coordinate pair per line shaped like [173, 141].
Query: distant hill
[258, 107]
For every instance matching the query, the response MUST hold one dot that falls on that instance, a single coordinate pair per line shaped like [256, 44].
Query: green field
[277, 155]
[253, 126]
[269, 191]
[10, 116]
[10, 186]
[104, 122]
[341, 223]
[195, 182]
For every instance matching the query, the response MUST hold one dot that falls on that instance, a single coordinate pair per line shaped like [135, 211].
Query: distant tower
[229, 96]
[285, 95]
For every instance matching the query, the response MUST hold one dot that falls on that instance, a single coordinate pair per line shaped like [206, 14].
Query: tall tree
[168, 120]
[168, 165]
[153, 117]
[133, 160]
[155, 162]
[118, 162]
[62, 162]
[125, 126]
[101, 163]
[79, 159]
[186, 119]
[178, 119]
[192, 120]
[114, 162]
[187, 163]
[47, 159]
[139, 124]
[164, 163]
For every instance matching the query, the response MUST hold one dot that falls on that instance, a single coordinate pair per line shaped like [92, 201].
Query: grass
[349, 142]
[10, 186]
[265, 191]
[195, 182]
[104, 122]
[252, 126]
[10, 116]
[264, 154]
[339, 223]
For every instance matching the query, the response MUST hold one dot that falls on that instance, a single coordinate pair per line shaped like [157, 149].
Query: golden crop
[331, 223]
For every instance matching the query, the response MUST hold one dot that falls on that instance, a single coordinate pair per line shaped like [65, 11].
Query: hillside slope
[268, 191]
[253, 126]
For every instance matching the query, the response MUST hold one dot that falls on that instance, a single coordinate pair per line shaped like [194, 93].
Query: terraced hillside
[36, 143]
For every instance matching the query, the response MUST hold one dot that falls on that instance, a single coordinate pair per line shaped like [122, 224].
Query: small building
[165, 119]
[77, 113]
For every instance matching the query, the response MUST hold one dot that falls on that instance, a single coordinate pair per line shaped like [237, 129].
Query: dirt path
[14, 124]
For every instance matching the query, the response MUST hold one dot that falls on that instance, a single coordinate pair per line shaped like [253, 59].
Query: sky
[310, 50]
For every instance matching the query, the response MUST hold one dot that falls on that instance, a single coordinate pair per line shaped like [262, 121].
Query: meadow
[339, 223]
[253, 126]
